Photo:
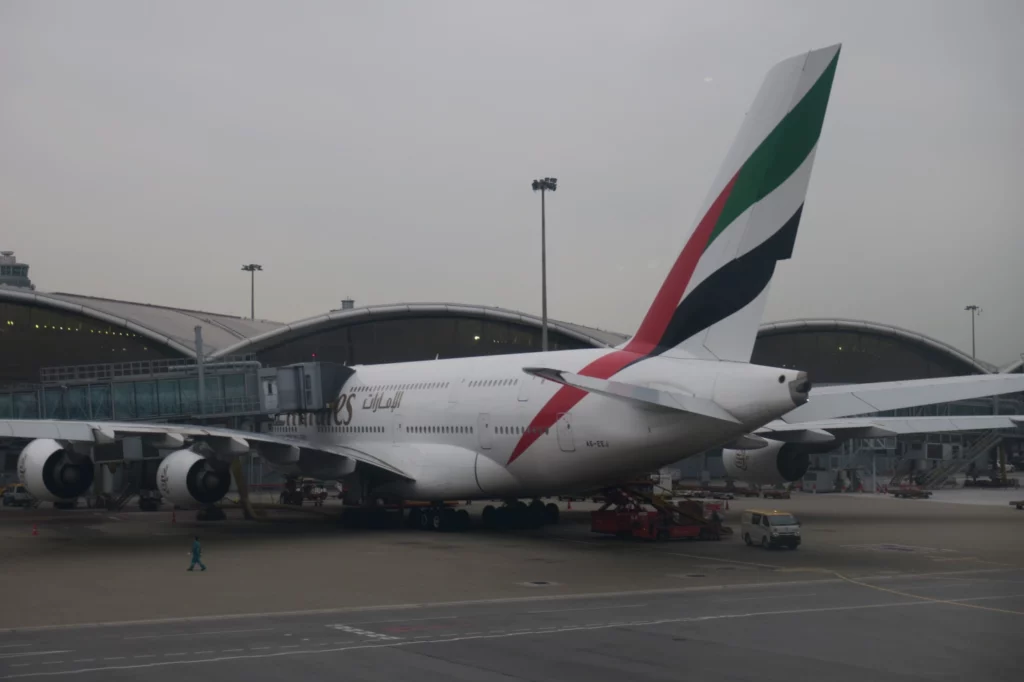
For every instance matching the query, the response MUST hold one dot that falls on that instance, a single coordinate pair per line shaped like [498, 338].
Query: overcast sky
[384, 151]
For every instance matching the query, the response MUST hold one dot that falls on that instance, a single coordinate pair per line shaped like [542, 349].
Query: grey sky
[385, 151]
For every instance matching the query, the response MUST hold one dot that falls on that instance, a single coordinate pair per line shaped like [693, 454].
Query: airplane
[534, 425]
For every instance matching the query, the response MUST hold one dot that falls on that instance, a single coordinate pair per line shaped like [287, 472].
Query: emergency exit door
[564, 429]
[484, 432]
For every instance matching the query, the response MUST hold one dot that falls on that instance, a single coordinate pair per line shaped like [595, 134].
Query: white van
[770, 528]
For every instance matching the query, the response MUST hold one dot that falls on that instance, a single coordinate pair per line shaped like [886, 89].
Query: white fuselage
[453, 425]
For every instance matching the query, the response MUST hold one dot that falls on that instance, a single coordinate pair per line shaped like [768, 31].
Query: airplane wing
[827, 402]
[228, 441]
[671, 400]
[828, 430]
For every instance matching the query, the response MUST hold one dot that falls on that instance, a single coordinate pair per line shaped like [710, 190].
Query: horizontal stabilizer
[671, 400]
[826, 402]
[884, 427]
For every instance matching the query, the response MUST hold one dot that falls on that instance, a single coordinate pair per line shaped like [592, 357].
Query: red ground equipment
[630, 513]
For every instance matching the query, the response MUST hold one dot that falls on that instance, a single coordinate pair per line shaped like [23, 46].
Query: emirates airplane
[540, 424]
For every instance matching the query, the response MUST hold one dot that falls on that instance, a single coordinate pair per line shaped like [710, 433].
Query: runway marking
[181, 653]
[146, 656]
[289, 646]
[115, 658]
[259, 648]
[229, 651]
[197, 634]
[200, 653]
[357, 631]
[954, 602]
[402, 620]
[725, 561]
[499, 600]
[594, 608]
[773, 596]
[83, 660]
[52, 662]
[445, 640]
[35, 653]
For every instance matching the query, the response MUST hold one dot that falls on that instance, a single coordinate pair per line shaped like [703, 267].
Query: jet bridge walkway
[181, 391]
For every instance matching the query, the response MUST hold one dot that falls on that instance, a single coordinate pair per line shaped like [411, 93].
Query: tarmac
[891, 589]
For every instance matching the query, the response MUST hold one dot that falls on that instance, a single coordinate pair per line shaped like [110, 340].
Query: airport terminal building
[53, 343]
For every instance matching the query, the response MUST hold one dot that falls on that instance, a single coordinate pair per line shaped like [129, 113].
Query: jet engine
[774, 464]
[52, 473]
[191, 480]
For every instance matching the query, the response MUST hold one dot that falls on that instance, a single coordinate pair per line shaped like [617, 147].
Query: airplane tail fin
[711, 303]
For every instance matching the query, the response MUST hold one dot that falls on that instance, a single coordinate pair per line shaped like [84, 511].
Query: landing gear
[517, 515]
[441, 519]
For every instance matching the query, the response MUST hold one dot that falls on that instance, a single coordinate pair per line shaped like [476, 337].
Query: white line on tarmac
[780, 584]
[198, 634]
[594, 608]
[35, 653]
[401, 620]
[773, 596]
[460, 638]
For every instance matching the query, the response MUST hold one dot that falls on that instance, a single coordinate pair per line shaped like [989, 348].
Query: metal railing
[940, 474]
[139, 368]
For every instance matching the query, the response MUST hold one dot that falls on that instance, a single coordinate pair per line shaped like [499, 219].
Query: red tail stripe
[671, 292]
[648, 336]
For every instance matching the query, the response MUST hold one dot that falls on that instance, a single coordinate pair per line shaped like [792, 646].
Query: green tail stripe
[781, 153]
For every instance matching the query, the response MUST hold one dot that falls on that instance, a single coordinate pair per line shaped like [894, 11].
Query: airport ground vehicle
[630, 513]
[775, 493]
[17, 496]
[770, 528]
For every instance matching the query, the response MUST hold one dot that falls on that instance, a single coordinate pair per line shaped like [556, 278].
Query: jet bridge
[175, 391]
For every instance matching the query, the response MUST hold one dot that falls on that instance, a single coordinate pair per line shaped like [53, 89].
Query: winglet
[671, 400]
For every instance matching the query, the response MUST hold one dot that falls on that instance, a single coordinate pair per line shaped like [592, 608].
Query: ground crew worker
[715, 518]
[197, 551]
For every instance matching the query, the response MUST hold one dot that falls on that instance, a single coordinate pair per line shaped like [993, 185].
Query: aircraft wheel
[426, 519]
[551, 513]
[503, 517]
[747, 540]
[534, 516]
[449, 520]
[436, 520]
[462, 517]
[489, 517]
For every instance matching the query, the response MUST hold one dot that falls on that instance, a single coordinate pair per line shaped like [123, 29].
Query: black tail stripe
[730, 288]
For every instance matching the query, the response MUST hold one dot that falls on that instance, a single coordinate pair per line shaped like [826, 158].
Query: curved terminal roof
[225, 335]
[172, 327]
[843, 324]
[595, 337]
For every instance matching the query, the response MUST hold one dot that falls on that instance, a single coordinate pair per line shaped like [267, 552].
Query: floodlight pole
[543, 186]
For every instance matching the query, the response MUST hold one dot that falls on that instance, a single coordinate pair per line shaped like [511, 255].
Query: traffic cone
[35, 529]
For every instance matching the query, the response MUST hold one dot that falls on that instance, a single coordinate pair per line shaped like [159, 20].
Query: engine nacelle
[190, 480]
[774, 464]
[51, 473]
